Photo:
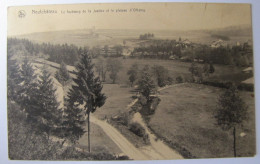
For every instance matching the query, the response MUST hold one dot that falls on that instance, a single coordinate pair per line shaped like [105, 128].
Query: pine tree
[28, 85]
[73, 122]
[51, 113]
[87, 89]
[13, 78]
[231, 112]
[43, 108]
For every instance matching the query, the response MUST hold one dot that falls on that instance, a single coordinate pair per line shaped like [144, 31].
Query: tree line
[146, 36]
[69, 54]
[238, 55]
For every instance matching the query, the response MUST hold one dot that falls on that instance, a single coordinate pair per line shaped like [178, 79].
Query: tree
[194, 69]
[28, 86]
[101, 68]
[162, 75]
[133, 73]
[43, 108]
[13, 78]
[62, 75]
[119, 50]
[206, 69]
[211, 68]
[146, 84]
[87, 90]
[106, 48]
[113, 66]
[231, 112]
[73, 122]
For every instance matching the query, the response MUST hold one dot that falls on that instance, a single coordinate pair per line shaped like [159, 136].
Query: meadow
[177, 68]
[188, 120]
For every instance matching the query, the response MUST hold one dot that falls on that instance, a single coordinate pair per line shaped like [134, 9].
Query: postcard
[130, 81]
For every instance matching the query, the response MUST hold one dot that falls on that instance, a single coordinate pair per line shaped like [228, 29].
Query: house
[186, 42]
[173, 57]
[110, 51]
[248, 70]
[249, 81]
[217, 43]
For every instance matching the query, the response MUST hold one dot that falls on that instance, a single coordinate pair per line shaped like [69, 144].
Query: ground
[118, 98]
[100, 142]
[187, 111]
[177, 68]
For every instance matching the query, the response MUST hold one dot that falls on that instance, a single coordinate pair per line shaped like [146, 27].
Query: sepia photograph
[130, 81]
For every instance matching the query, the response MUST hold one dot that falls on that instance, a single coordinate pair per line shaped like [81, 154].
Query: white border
[3, 112]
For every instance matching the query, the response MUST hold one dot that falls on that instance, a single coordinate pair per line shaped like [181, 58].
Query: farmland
[188, 120]
[178, 68]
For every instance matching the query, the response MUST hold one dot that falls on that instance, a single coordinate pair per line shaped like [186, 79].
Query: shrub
[179, 79]
[137, 129]
[122, 118]
[71, 153]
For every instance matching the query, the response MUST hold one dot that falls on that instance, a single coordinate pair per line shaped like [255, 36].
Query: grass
[187, 112]
[177, 68]
[132, 137]
[100, 142]
[190, 124]
[118, 98]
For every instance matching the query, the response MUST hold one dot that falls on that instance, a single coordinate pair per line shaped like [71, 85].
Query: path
[157, 149]
[127, 148]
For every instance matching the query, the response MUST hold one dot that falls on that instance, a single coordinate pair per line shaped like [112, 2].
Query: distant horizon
[135, 29]
[141, 16]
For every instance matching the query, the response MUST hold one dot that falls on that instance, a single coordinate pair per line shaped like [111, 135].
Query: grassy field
[117, 100]
[178, 68]
[100, 142]
[187, 111]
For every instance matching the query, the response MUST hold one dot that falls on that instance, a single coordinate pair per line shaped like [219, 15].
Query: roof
[248, 69]
[249, 81]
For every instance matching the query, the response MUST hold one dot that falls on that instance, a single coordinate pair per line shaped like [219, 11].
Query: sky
[157, 16]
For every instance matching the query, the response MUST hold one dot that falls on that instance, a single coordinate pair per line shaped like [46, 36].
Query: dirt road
[157, 149]
[127, 148]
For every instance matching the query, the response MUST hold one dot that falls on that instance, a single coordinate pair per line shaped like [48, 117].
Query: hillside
[101, 37]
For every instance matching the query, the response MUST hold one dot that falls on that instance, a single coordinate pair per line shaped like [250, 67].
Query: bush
[24, 143]
[137, 129]
[71, 153]
[241, 86]
[246, 87]
[179, 79]
[122, 118]
[148, 107]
